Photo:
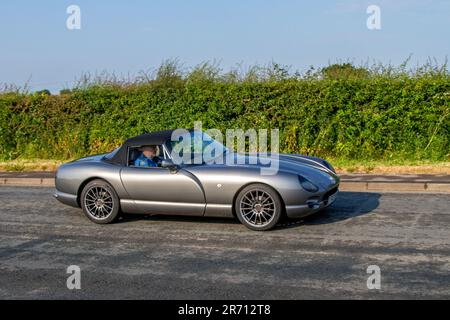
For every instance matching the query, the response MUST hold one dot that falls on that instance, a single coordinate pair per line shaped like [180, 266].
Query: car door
[160, 191]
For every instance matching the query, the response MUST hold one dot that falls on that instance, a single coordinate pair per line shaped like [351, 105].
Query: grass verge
[342, 166]
[21, 165]
[391, 167]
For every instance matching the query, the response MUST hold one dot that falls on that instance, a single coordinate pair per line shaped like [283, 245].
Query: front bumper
[312, 206]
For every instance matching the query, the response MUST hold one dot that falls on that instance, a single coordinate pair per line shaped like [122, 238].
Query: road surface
[326, 256]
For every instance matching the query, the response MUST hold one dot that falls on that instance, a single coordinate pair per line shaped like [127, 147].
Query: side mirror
[167, 163]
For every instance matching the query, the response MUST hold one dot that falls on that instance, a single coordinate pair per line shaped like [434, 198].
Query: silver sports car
[108, 184]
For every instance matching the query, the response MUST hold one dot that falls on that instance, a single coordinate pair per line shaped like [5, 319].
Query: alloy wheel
[258, 208]
[99, 202]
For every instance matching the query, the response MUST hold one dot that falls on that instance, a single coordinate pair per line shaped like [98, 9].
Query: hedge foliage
[369, 116]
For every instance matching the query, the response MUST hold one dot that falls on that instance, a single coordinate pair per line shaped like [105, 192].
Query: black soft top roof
[152, 138]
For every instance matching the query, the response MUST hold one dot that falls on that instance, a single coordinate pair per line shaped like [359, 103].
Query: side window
[149, 156]
[133, 154]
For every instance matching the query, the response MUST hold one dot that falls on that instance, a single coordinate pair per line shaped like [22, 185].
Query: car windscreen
[110, 155]
[196, 144]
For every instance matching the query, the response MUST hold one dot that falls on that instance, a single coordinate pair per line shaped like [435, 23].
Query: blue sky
[126, 37]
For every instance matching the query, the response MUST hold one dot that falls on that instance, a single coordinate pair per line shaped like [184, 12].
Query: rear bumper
[66, 198]
[311, 206]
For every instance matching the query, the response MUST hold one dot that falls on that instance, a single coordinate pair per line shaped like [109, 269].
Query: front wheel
[100, 202]
[258, 207]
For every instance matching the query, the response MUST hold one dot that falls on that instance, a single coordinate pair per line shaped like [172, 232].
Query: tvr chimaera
[108, 184]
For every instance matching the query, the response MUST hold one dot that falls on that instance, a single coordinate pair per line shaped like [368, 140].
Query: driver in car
[148, 157]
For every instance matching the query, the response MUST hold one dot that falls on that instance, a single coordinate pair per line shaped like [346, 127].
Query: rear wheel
[100, 202]
[258, 207]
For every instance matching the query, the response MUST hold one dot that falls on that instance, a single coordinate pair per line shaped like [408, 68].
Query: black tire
[258, 207]
[100, 202]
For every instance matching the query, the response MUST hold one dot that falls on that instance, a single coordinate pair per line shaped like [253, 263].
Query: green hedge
[378, 117]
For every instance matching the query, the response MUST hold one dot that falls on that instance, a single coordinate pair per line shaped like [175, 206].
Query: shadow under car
[347, 205]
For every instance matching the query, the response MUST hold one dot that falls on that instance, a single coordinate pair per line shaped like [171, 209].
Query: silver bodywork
[199, 190]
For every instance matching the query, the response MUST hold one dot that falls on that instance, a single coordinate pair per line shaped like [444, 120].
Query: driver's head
[149, 151]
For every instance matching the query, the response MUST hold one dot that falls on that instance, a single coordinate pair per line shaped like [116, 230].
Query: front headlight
[307, 185]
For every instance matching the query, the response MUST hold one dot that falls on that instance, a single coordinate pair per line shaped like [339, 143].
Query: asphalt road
[326, 256]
